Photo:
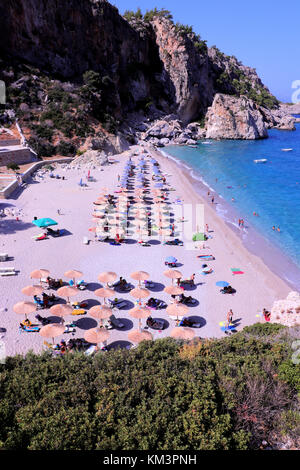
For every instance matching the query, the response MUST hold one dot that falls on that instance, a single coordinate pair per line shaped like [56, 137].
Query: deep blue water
[272, 189]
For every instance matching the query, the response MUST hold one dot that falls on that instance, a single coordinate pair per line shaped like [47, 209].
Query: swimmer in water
[273, 228]
[278, 229]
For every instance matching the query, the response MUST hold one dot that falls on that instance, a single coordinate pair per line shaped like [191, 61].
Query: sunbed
[119, 303]
[116, 322]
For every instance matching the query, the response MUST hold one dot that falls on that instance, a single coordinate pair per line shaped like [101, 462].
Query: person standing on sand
[229, 318]
[212, 200]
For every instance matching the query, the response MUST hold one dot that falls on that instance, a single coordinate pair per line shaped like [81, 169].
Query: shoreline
[268, 268]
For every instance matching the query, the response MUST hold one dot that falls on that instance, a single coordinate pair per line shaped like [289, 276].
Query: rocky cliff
[230, 117]
[77, 70]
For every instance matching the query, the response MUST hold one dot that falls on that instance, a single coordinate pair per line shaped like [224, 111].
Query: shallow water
[272, 190]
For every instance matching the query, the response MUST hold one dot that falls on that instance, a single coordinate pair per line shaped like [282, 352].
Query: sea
[226, 170]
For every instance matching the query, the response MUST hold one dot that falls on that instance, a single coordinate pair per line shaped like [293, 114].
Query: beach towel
[207, 257]
[226, 328]
[236, 271]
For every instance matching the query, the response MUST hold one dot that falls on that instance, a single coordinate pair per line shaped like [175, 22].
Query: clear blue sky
[264, 34]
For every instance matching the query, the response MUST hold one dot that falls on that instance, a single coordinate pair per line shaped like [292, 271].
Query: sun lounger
[119, 303]
[116, 322]
[149, 284]
[155, 323]
[7, 271]
[91, 350]
[190, 323]
[70, 328]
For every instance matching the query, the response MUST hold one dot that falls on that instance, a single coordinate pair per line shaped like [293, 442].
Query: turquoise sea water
[272, 189]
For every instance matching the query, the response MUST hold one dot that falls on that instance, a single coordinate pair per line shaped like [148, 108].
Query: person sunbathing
[228, 290]
[267, 315]
[185, 300]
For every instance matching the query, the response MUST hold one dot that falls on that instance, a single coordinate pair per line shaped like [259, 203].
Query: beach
[257, 288]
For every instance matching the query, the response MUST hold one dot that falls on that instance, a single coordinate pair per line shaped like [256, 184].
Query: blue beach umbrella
[44, 222]
[222, 284]
[158, 185]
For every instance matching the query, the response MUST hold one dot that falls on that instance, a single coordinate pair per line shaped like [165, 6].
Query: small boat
[206, 143]
[261, 160]
[286, 150]
[193, 146]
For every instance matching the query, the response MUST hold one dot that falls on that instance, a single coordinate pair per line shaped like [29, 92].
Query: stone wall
[18, 156]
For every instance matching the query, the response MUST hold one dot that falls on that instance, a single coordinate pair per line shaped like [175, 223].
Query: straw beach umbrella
[108, 276]
[140, 293]
[24, 308]
[182, 333]
[73, 274]
[39, 274]
[100, 312]
[32, 290]
[173, 290]
[67, 291]
[61, 310]
[140, 276]
[173, 274]
[105, 293]
[136, 336]
[177, 310]
[52, 330]
[139, 312]
[96, 335]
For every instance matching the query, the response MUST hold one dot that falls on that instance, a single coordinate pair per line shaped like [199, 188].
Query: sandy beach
[256, 288]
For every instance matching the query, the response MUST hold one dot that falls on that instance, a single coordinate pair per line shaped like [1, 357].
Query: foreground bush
[220, 394]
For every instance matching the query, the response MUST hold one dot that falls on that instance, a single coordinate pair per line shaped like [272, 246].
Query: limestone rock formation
[231, 117]
[287, 311]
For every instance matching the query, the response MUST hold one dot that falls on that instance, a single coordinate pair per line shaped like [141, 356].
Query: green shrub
[264, 329]
[66, 148]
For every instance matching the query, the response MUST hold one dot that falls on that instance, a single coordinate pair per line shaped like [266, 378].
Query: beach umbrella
[140, 293]
[177, 310]
[173, 274]
[32, 290]
[222, 284]
[44, 222]
[140, 276]
[61, 310]
[108, 276]
[136, 336]
[104, 293]
[140, 312]
[173, 290]
[96, 335]
[67, 291]
[100, 312]
[182, 333]
[24, 308]
[73, 274]
[39, 274]
[52, 330]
